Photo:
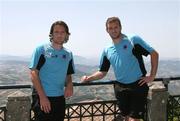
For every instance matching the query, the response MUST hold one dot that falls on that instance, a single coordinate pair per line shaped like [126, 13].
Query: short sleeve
[71, 69]
[104, 63]
[141, 46]
[37, 59]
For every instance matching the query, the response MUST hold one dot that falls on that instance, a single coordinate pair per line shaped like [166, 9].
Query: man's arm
[44, 102]
[154, 65]
[95, 76]
[103, 69]
[69, 86]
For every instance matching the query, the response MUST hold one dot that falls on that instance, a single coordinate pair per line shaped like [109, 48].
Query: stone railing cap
[18, 95]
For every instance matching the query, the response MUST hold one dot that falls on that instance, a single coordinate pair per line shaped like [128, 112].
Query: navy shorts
[57, 112]
[131, 99]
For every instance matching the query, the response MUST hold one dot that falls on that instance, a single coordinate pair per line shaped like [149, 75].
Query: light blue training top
[53, 65]
[126, 58]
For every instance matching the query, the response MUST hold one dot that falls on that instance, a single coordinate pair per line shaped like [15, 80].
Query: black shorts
[131, 99]
[57, 112]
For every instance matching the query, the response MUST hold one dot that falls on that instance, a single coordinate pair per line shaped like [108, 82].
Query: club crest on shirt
[64, 56]
[125, 46]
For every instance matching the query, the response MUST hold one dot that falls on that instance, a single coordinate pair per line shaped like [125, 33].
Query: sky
[24, 24]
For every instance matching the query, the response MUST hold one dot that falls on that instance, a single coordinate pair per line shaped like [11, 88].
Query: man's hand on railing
[84, 79]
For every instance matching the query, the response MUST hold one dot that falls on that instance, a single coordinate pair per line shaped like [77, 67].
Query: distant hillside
[77, 59]
[14, 58]
[85, 61]
[167, 68]
[14, 72]
[14, 69]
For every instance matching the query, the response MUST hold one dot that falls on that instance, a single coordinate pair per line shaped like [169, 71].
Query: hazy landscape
[14, 70]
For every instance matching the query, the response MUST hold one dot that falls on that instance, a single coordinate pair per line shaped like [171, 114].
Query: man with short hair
[125, 56]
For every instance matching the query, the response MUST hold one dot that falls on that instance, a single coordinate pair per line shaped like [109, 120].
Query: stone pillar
[18, 107]
[157, 102]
